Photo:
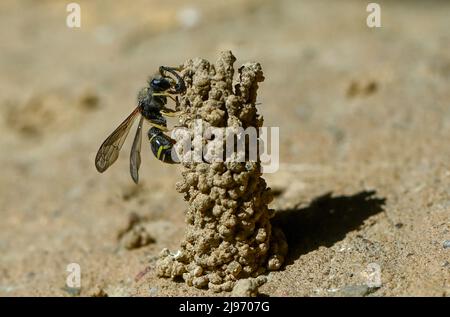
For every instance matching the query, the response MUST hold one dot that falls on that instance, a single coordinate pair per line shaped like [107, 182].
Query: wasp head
[160, 84]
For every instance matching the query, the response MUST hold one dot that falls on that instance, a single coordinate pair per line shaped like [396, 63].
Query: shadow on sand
[325, 221]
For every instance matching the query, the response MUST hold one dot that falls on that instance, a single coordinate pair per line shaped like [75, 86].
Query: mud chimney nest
[229, 235]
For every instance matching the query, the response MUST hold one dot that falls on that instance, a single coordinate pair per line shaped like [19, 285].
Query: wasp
[151, 106]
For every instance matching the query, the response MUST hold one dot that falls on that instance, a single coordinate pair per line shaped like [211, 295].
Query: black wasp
[152, 102]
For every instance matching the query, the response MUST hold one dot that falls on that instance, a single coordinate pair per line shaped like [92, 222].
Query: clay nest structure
[229, 235]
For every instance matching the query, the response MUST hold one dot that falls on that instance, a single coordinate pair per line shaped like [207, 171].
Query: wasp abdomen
[162, 146]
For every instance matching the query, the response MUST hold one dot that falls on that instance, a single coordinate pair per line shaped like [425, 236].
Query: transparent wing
[109, 150]
[135, 155]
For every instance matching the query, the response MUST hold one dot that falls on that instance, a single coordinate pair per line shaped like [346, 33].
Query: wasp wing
[135, 155]
[109, 150]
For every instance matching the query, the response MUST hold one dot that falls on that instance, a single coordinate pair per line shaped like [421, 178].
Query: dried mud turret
[229, 235]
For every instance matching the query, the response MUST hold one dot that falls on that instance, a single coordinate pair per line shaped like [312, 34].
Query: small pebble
[248, 287]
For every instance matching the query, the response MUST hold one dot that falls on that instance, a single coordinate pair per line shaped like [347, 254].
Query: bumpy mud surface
[229, 234]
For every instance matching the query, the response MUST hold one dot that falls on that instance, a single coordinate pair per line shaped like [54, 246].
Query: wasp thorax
[143, 95]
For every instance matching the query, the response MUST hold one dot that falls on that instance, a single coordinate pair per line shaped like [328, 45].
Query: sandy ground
[364, 178]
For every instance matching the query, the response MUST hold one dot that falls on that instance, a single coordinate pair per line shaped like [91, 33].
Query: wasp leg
[161, 127]
[172, 70]
[165, 94]
[170, 113]
[166, 111]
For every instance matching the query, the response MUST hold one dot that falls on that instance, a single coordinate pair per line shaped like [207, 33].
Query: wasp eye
[160, 84]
